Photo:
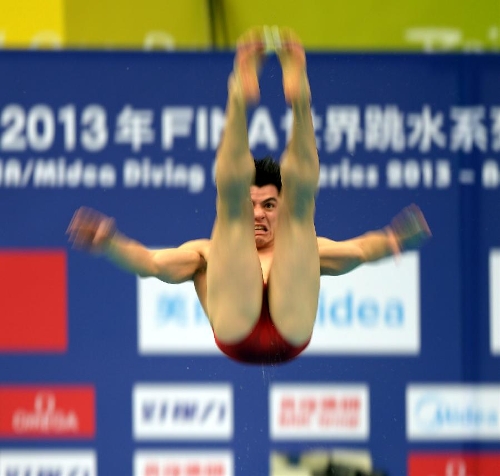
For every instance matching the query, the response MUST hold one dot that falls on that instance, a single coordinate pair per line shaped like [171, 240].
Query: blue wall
[102, 301]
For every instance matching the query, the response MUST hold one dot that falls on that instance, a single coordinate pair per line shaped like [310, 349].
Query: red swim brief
[264, 344]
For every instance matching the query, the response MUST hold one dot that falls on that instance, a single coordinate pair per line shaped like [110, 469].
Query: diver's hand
[91, 230]
[410, 228]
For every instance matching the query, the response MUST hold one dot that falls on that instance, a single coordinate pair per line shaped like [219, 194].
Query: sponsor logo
[183, 463]
[495, 301]
[190, 412]
[453, 412]
[47, 412]
[171, 320]
[373, 310]
[53, 463]
[33, 303]
[319, 412]
[454, 464]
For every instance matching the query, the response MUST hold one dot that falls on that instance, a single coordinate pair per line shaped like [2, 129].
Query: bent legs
[295, 273]
[234, 275]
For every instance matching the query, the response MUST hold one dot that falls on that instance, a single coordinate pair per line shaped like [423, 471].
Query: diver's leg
[295, 272]
[234, 275]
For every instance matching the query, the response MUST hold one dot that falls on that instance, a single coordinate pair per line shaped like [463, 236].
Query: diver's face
[265, 201]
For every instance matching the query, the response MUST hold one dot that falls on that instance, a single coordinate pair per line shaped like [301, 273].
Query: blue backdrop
[429, 161]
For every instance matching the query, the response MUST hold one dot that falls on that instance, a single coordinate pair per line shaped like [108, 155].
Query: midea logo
[365, 311]
[434, 413]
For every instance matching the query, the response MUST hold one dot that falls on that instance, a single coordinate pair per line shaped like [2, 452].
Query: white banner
[171, 319]
[453, 412]
[372, 310]
[184, 463]
[38, 462]
[375, 309]
[187, 412]
[495, 301]
[319, 412]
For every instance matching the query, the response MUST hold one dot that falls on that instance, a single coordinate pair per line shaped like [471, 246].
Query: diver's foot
[249, 55]
[293, 64]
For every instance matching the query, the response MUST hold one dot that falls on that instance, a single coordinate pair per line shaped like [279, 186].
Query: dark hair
[267, 172]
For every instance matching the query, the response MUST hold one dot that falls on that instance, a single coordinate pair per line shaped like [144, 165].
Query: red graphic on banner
[33, 307]
[330, 411]
[47, 412]
[188, 469]
[454, 464]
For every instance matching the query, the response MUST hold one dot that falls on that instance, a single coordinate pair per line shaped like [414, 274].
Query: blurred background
[103, 374]
[359, 25]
